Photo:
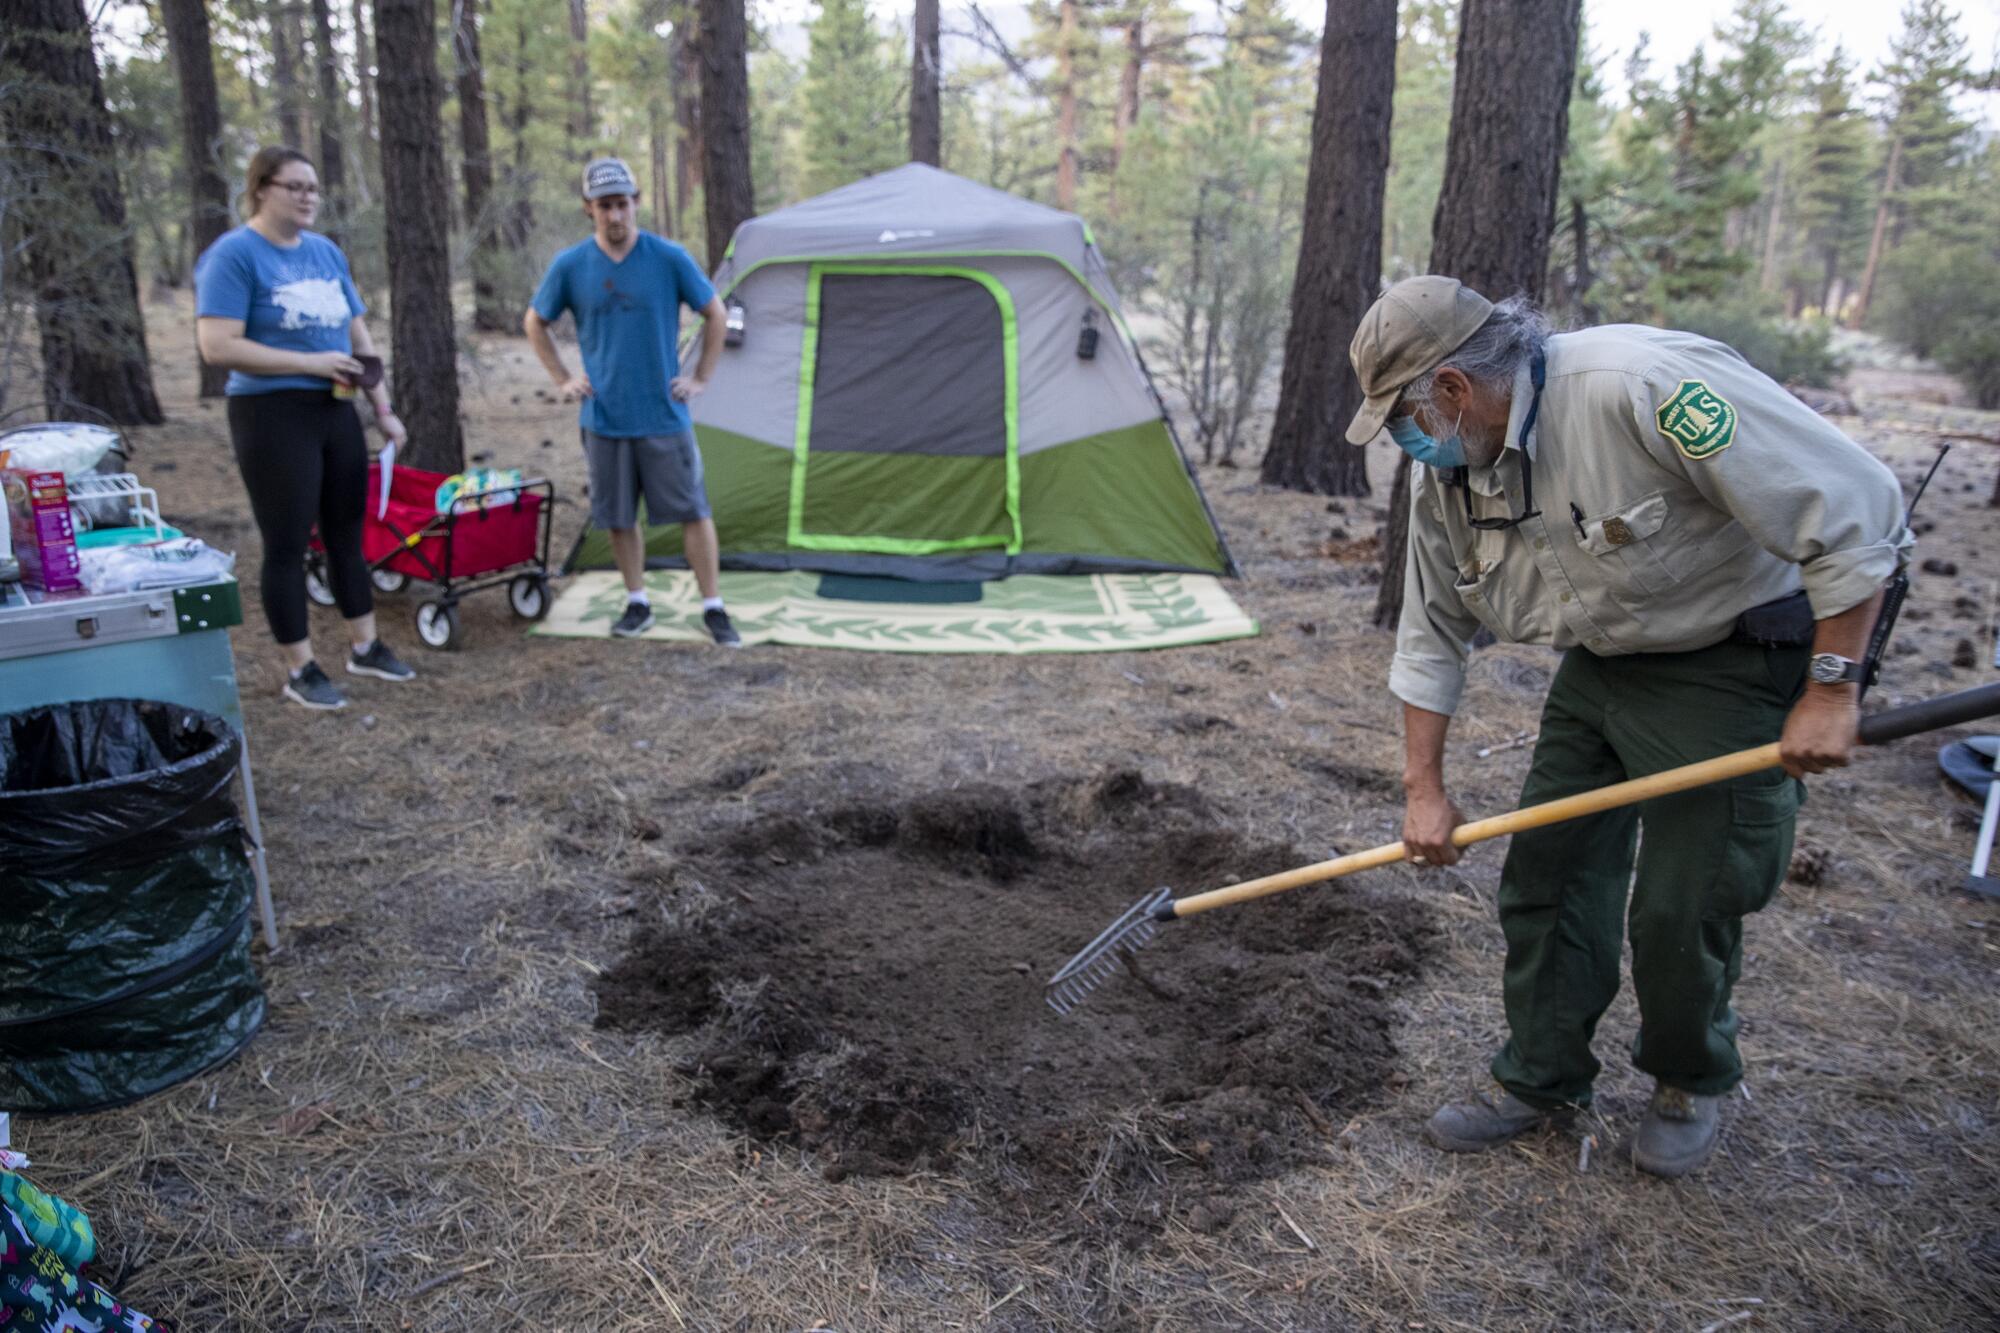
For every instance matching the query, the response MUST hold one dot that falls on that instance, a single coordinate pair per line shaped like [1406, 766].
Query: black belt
[1785, 623]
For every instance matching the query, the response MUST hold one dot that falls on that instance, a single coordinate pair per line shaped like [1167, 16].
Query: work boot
[1678, 1133]
[1487, 1120]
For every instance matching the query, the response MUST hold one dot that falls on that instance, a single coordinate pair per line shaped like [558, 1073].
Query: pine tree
[202, 146]
[413, 177]
[1340, 254]
[1925, 71]
[853, 93]
[69, 206]
[1834, 163]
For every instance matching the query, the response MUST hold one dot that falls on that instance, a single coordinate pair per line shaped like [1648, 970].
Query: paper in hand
[387, 458]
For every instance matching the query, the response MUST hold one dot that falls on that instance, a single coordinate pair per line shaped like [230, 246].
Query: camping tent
[934, 381]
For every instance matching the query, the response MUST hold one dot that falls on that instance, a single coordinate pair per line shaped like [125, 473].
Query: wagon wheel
[389, 580]
[528, 595]
[437, 626]
[316, 587]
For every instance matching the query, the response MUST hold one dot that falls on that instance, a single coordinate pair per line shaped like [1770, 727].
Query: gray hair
[1494, 354]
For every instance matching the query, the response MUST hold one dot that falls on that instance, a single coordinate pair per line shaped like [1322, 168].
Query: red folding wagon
[485, 540]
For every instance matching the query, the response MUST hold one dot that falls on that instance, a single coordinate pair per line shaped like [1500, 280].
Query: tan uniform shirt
[1678, 487]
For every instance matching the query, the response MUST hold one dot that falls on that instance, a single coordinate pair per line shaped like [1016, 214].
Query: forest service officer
[1709, 555]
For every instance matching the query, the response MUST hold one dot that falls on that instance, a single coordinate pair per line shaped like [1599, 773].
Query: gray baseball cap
[608, 176]
[1405, 335]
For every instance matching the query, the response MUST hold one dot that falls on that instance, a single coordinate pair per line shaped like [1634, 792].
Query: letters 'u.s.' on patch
[1699, 421]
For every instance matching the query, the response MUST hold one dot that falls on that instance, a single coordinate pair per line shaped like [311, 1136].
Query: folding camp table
[170, 645]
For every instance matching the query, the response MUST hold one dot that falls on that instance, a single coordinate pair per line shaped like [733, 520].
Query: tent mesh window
[907, 441]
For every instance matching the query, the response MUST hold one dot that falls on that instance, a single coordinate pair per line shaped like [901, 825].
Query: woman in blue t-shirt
[276, 306]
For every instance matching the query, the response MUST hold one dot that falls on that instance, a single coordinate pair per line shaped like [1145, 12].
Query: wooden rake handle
[1946, 711]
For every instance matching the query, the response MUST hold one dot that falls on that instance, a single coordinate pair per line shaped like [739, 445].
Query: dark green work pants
[1708, 858]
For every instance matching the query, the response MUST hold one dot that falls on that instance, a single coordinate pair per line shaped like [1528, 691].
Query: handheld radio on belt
[1894, 591]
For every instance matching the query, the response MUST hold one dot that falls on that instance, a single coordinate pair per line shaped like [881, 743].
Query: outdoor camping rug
[1031, 613]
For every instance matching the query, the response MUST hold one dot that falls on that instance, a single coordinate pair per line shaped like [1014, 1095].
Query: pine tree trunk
[1503, 159]
[336, 207]
[1509, 120]
[413, 177]
[688, 150]
[1582, 277]
[926, 129]
[70, 209]
[1066, 108]
[1340, 253]
[287, 50]
[1884, 207]
[491, 311]
[1774, 221]
[370, 163]
[209, 215]
[1131, 77]
[727, 193]
[581, 123]
[519, 214]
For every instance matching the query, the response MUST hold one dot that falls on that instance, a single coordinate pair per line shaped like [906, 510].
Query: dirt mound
[868, 987]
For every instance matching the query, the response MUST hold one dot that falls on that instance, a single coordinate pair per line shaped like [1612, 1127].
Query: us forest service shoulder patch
[1699, 421]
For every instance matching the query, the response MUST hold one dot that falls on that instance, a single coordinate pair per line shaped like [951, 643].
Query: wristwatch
[1833, 669]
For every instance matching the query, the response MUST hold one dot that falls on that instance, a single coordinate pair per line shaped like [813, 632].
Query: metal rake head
[1090, 969]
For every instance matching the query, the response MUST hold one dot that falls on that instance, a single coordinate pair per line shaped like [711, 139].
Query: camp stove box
[44, 536]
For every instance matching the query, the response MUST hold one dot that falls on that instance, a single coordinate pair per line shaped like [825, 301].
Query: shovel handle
[1948, 710]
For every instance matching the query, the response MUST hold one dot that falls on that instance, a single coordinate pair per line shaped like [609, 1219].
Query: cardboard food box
[44, 537]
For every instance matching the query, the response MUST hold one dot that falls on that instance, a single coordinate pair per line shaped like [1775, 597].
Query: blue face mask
[1410, 438]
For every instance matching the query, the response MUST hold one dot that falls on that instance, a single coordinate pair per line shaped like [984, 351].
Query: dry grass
[429, 1134]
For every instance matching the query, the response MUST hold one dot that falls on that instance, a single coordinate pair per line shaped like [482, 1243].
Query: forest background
[1771, 188]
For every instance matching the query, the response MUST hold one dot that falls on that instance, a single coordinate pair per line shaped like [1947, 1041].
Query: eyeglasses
[297, 189]
[1538, 370]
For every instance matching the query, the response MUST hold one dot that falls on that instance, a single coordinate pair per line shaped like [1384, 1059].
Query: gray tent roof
[914, 209]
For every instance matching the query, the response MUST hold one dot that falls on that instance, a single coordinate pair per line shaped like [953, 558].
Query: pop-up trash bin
[125, 895]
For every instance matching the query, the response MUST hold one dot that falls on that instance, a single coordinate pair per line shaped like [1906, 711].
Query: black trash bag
[124, 903]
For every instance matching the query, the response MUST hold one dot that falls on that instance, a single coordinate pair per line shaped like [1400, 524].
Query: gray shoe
[311, 688]
[638, 618]
[1487, 1120]
[1678, 1133]
[380, 663]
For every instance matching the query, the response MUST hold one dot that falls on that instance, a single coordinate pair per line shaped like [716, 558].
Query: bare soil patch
[865, 983]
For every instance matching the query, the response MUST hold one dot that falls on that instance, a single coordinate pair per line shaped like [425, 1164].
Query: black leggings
[304, 460]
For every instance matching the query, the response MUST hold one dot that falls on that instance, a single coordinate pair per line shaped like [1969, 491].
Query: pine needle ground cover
[480, 1100]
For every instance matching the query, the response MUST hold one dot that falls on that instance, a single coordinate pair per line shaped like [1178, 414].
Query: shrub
[1789, 352]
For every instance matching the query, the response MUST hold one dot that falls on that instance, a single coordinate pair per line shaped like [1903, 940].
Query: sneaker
[638, 618]
[1679, 1132]
[720, 629]
[1487, 1120]
[379, 662]
[311, 688]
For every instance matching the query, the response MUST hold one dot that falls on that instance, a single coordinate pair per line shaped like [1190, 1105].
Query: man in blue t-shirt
[625, 287]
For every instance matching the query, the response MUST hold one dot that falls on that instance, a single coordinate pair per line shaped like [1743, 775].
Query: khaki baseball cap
[1406, 334]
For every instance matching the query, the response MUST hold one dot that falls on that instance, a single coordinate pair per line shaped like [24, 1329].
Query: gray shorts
[666, 469]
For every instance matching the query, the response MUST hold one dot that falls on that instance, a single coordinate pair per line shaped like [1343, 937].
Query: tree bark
[332, 160]
[582, 125]
[287, 49]
[727, 193]
[1131, 75]
[926, 124]
[1066, 108]
[1396, 540]
[209, 215]
[370, 159]
[413, 176]
[1503, 160]
[1509, 120]
[688, 149]
[519, 215]
[491, 311]
[70, 209]
[1340, 253]
[1877, 241]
